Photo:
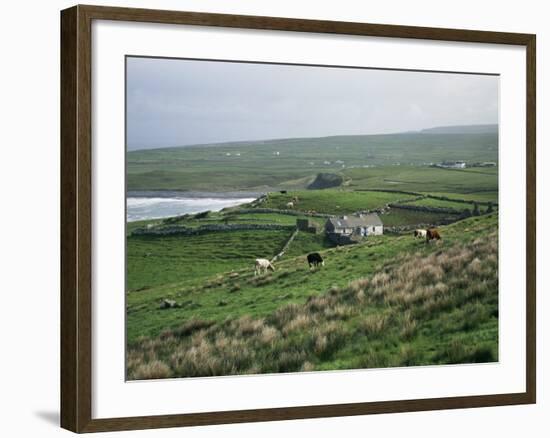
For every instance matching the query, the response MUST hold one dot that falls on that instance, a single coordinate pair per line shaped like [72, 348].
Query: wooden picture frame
[76, 218]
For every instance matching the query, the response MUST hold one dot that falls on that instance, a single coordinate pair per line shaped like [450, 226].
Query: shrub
[291, 360]
[454, 352]
[155, 369]
[247, 326]
[408, 327]
[373, 325]
[373, 359]
[190, 327]
[408, 356]
[483, 354]
[474, 314]
[300, 322]
[328, 339]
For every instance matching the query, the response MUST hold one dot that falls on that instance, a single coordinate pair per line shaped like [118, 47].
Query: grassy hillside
[333, 201]
[389, 301]
[154, 261]
[423, 179]
[294, 163]
[462, 129]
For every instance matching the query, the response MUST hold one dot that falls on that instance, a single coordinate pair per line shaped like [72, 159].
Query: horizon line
[304, 137]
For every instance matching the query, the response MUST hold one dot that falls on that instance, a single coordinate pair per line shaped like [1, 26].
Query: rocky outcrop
[325, 181]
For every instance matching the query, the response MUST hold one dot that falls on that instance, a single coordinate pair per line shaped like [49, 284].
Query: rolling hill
[389, 301]
[294, 163]
[463, 129]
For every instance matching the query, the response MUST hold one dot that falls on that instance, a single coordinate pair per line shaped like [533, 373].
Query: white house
[355, 225]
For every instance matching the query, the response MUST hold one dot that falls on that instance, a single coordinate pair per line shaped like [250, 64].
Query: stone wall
[285, 246]
[426, 208]
[279, 211]
[189, 231]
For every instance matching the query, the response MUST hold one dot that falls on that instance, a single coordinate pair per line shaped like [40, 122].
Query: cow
[420, 234]
[314, 259]
[262, 265]
[432, 234]
[290, 205]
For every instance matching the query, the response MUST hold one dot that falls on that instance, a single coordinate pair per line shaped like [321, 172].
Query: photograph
[293, 218]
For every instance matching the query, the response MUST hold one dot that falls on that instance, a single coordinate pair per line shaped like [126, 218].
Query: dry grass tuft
[300, 322]
[155, 369]
[374, 325]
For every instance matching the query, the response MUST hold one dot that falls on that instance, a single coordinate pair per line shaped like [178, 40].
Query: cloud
[174, 102]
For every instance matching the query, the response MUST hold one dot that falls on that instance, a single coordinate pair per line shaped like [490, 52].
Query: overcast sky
[180, 102]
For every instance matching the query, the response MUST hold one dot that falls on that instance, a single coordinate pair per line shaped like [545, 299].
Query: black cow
[314, 259]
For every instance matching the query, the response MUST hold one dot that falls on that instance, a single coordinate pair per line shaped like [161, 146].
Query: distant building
[348, 229]
[452, 164]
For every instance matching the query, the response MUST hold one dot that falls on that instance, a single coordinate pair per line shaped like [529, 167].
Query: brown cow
[432, 234]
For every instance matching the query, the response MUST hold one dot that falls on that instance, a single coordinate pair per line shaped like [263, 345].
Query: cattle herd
[315, 260]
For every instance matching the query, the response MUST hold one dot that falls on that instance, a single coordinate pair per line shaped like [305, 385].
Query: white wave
[141, 208]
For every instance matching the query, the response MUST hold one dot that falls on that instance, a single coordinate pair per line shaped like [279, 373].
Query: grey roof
[352, 221]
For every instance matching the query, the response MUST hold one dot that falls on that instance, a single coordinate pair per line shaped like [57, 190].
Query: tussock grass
[434, 306]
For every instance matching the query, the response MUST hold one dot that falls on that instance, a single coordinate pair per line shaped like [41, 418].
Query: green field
[421, 179]
[488, 196]
[154, 261]
[445, 319]
[398, 217]
[230, 216]
[399, 161]
[389, 300]
[442, 203]
[334, 201]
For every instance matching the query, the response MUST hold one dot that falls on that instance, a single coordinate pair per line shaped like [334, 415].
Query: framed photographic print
[270, 218]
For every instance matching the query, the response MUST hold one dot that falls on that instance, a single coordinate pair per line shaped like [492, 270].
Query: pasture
[395, 161]
[348, 314]
[422, 179]
[400, 217]
[156, 261]
[486, 196]
[333, 201]
[389, 300]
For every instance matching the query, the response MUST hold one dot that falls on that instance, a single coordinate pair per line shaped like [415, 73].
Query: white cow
[420, 234]
[290, 205]
[262, 265]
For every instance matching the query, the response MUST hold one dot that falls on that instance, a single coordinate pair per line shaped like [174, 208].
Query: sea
[143, 205]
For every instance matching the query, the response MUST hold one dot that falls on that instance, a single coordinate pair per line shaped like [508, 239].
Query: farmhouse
[346, 229]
